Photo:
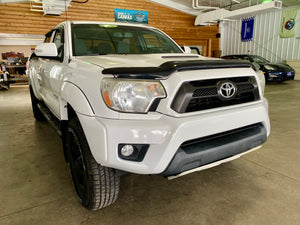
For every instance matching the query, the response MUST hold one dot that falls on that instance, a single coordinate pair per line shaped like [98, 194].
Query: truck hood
[156, 66]
[279, 67]
[149, 60]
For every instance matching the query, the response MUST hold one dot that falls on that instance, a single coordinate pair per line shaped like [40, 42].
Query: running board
[50, 117]
[217, 163]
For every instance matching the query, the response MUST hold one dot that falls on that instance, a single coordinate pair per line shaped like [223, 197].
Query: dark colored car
[272, 71]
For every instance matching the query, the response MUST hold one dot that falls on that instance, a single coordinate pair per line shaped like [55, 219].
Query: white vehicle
[4, 78]
[126, 98]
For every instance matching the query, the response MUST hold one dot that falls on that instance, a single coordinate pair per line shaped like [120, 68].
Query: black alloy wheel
[78, 170]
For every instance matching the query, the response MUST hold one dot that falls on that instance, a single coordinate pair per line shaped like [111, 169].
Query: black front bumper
[280, 76]
[202, 151]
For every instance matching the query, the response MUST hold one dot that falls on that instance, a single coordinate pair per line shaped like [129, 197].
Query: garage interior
[260, 188]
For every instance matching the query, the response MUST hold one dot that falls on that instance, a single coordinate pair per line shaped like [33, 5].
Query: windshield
[259, 59]
[99, 39]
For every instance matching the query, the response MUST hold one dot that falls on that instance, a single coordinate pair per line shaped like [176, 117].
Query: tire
[96, 186]
[35, 109]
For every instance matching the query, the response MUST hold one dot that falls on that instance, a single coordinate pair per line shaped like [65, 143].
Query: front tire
[96, 186]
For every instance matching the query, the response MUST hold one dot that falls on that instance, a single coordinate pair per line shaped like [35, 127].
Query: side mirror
[256, 66]
[186, 49]
[46, 50]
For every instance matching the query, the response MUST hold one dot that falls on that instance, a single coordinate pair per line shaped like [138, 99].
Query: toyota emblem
[227, 90]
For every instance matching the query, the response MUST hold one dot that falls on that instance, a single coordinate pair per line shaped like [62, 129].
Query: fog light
[132, 152]
[127, 150]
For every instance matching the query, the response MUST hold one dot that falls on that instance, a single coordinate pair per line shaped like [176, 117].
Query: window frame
[50, 38]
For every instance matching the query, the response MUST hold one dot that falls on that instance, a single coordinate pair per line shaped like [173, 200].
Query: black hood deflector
[166, 69]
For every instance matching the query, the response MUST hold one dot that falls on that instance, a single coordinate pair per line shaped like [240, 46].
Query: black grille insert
[200, 95]
[205, 92]
[222, 138]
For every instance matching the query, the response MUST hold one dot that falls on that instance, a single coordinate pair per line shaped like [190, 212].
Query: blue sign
[247, 29]
[131, 16]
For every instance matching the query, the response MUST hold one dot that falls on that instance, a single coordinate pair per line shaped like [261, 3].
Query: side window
[48, 37]
[59, 42]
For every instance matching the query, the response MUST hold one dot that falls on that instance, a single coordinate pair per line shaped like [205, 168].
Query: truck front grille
[208, 94]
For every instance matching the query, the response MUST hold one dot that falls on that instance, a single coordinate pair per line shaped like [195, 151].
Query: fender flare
[74, 96]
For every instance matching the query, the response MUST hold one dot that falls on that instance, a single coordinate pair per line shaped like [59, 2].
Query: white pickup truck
[126, 98]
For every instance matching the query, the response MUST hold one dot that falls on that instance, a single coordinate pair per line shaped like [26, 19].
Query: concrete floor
[260, 188]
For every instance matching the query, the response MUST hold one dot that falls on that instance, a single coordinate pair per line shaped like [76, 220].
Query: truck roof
[104, 23]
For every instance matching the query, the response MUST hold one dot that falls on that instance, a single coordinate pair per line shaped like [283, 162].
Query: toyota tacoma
[126, 99]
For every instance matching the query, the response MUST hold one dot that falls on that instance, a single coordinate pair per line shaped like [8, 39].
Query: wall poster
[247, 29]
[131, 16]
[288, 23]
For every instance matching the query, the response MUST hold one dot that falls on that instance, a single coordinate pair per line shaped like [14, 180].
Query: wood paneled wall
[18, 18]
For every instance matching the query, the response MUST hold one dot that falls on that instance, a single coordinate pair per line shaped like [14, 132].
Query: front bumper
[164, 134]
[213, 164]
[203, 151]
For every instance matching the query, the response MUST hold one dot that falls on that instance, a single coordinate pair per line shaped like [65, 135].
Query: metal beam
[177, 6]
[12, 1]
[223, 14]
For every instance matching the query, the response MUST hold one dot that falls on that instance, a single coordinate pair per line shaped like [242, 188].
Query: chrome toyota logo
[227, 90]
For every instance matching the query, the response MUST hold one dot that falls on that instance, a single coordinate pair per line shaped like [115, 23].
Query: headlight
[262, 80]
[268, 67]
[130, 95]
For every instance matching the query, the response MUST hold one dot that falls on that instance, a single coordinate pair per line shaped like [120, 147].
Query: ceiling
[187, 5]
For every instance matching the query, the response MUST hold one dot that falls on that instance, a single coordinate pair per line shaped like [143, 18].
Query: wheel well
[71, 112]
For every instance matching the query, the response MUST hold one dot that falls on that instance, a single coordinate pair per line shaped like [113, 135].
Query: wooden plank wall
[18, 18]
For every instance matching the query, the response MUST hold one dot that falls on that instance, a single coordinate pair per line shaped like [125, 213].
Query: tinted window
[259, 59]
[238, 57]
[48, 37]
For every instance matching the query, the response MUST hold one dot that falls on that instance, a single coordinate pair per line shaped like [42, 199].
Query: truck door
[51, 74]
